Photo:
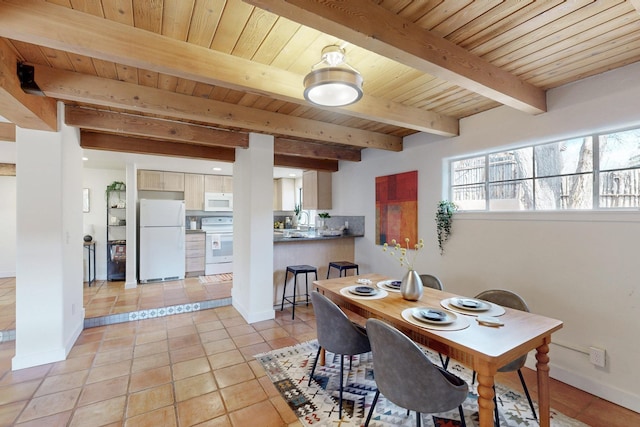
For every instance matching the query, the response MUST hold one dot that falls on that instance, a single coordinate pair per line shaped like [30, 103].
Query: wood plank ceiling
[192, 77]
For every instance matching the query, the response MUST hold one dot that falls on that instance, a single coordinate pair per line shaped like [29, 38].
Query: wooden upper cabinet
[218, 184]
[194, 191]
[316, 190]
[160, 180]
[150, 180]
[173, 181]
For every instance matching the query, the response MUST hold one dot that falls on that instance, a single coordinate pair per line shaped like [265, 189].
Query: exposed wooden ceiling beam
[108, 142]
[293, 147]
[7, 132]
[57, 27]
[70, 86]
[20, 108]
[7, 169]
[372, 27]
[305, 163]
[149, 127]
[102, 121]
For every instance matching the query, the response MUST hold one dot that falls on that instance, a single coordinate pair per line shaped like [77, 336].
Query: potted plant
[444, 221]
[411, 285]
[297, 209]
[114, 186]
[322, 217]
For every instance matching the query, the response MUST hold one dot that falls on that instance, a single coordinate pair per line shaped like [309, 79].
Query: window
[597, 171]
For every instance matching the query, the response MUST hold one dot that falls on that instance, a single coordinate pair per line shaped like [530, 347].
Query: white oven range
[218, 244]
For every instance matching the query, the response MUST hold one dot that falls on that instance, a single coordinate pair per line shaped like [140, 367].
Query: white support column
[252, 292]
[49, 270]
[131, 275]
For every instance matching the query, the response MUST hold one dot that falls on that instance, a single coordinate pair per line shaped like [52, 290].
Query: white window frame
[595, 173]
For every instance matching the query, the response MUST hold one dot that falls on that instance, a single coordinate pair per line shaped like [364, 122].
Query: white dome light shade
[333, 87]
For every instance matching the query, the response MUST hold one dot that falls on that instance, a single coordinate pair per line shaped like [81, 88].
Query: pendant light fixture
[336, 84]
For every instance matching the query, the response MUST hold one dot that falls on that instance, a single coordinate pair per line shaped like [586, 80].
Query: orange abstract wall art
[397, 208]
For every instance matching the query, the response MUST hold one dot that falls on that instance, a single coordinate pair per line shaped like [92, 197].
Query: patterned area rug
[216, 278]
[317, 405]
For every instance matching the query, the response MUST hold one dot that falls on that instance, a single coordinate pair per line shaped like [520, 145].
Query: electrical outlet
[597, 356]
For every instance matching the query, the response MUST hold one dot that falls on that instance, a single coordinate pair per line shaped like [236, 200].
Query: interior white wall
[7, 212]
[71, 203]
[252, 292]
[131, 274]
[579, 267]
[49, 315]
[7, 226]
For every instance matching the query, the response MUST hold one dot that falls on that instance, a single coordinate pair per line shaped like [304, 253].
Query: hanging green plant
[444, 220]
[114, 186]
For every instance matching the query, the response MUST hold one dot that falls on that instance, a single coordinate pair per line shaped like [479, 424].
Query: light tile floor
[194, 369]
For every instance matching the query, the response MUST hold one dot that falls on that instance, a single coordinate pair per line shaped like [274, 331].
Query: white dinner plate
[489, 321]
[390, 285]
[433, 316]
[470, 304]
[363, 291]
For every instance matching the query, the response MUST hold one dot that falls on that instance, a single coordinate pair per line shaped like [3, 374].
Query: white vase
[411, 287]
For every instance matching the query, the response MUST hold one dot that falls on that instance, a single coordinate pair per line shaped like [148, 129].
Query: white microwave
[221, 202]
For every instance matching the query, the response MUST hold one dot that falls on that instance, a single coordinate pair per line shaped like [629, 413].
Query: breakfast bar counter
[300, 237]
[311, 249]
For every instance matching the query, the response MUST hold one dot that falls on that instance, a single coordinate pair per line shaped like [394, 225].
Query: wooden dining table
[482, 348]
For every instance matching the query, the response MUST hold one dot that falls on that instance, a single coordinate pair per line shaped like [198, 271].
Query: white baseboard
[75, 335]
[253, 317]
[615, 395]
[22, 361]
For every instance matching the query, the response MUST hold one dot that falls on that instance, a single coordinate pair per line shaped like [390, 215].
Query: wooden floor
[190, 369]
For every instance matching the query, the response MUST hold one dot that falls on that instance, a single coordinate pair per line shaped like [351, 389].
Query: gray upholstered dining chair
[511, 300]
[406, 377]
[431, 281]
[336, 334]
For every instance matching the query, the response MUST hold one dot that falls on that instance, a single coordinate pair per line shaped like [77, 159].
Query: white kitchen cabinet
[284, 194]
[316, 190]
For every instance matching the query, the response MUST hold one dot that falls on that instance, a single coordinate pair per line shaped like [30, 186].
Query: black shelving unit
[116, 234]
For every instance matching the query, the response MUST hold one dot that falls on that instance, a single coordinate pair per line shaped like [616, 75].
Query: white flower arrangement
[399, 252]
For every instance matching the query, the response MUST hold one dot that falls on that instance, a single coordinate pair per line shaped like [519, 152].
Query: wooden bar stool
[342, 266]
[295, 270]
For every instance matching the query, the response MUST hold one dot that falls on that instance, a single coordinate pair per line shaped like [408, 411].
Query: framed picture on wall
[85, 200]
[397, 208]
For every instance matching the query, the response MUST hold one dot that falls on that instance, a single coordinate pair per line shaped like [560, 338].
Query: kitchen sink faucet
[308, 219]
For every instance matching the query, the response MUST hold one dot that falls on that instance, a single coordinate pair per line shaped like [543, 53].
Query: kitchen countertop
[194, 231]
[279, 238]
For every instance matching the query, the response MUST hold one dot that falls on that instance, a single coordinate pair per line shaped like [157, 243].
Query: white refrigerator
[162, 240]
